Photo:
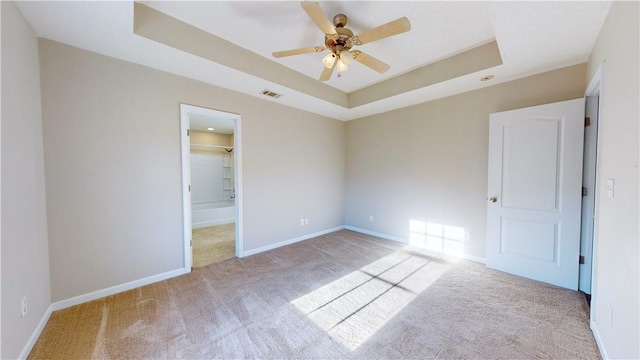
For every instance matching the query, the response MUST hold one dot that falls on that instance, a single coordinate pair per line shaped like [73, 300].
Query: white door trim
[595, 88]
[237, 175]
[186, 181]
[185, 110]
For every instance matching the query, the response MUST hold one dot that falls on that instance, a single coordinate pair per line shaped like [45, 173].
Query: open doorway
[212, 192]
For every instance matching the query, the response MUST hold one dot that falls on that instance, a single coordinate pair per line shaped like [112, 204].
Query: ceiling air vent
[270, 93]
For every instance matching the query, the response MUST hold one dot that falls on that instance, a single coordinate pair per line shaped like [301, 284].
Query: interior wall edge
[25, 254]
[478, 259]
[81, 299]
[598, 338]
[36, 333]
[616, 270]
[64, 304]
[94, 295]
[290, 241]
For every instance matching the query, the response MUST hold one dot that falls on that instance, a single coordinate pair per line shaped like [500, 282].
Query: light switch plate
[610, 187]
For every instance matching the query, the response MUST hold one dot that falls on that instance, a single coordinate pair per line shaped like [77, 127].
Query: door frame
[185, 110]
[595, 89]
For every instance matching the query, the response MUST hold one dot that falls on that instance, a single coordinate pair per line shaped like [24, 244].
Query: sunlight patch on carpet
[354, 307]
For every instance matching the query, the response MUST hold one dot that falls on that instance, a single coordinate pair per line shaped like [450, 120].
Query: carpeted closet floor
[341, 295]
[213, 244]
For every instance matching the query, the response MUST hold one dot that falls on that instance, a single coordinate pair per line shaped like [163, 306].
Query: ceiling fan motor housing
[343, 42]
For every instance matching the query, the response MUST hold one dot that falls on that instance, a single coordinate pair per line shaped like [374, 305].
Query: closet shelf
[213, 146]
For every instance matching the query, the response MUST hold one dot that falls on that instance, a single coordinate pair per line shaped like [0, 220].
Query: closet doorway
[212, 190]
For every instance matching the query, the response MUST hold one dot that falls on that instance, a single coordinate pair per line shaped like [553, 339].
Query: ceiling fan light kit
[329, 60]
[339, 41]
[342, 66]
[346, 57]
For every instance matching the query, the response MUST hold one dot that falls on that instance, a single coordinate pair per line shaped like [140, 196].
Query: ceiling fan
[339, 40]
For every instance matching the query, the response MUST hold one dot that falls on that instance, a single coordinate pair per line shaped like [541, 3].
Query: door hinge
[581, 260]
[189, 186]
[585, 191]
[587, 122]
[188, 132]
[191, 243]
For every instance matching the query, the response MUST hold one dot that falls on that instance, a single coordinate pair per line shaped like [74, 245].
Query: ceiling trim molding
[479, 58]
[157, 26]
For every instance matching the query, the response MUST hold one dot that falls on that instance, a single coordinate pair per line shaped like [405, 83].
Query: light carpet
[213, 244]
[341, 295]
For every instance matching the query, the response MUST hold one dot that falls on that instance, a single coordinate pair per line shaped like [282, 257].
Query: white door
[534, 192]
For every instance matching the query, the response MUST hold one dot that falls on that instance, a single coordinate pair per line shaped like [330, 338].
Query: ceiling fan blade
[318, 16]
[278, 54]
[370, 61]
[326, 72]
[395, 27]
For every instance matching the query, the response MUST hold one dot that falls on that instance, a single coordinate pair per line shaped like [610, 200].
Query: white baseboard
[63, 304]
[473, 258]
[289, 242]
[599, 342]
[36, 333]
[213, 223]
[377, 234]
[59, 305]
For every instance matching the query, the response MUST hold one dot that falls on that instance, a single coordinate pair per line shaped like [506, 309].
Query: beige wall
[296, 170]
[617, 273]
[428, 162]
[210, 138]
[112, 160]
[25, 254]
[112, 165]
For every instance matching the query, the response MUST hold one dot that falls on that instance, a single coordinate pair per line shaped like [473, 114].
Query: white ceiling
[533, 37]
[201, 122]
[264, 28]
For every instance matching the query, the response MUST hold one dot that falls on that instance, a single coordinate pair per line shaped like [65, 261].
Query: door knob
[493, 199]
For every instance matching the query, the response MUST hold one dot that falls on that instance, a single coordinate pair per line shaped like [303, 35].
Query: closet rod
[213, 146]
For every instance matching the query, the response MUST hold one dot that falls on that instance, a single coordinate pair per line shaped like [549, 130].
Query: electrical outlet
[306, 221]
[23, 307]
[371, 218]
[301, 222]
